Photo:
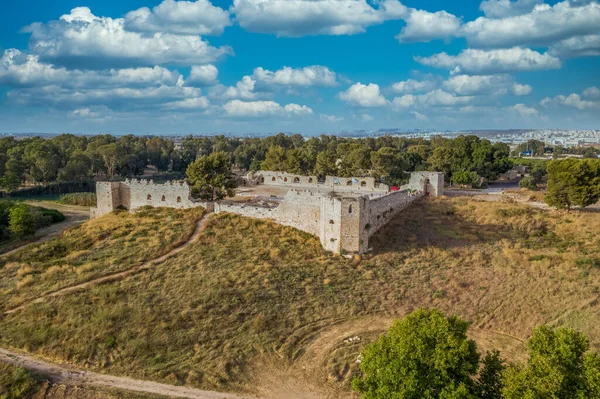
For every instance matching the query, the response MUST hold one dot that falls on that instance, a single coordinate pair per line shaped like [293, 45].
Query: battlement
[343, 219]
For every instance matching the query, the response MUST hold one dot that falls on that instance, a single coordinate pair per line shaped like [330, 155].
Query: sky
[301, 66]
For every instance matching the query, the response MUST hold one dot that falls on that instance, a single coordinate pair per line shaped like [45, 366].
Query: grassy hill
[254, 303]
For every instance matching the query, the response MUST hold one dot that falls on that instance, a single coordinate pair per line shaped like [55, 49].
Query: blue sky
[307, 66]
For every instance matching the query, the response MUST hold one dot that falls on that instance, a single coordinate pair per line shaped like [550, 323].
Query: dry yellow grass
[106, 245]
[252, 293]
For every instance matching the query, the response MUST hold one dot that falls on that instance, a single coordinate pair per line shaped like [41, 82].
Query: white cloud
[419, 116]
[295, 18]
[297, 109]
[521, 90]
[543, 26]
[243, 89]
[81, 39]
[523, 110]
[592, 92]
[485, 84]
[331, 118]
[579, 46]
[237, 108]
[405, 101]
[202, 75]
[507, 8]
[366, 117]
[572, 100]
[435, 98]
[361, 95]
[413, 86]
[84, 113]
[474, 61]
[198, 17]
[315, 75]
[424, 26]
[195, 103]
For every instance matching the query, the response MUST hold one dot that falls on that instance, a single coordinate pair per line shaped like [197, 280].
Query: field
[102, 246]
[253, 303]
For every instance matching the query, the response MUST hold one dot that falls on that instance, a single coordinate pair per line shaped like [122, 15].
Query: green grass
[81, 199]
[252, 290]
[113, 243]
[16, 382]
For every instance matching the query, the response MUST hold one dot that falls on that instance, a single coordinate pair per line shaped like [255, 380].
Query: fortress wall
[281, 179]
[257, 212]
[353, 235]
[301, 209]
[431, 182]
[381, 210]
[146, 193]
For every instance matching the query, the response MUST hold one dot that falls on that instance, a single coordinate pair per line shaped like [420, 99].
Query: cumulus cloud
[81, 39]
[413, 86]
[523, 110]
[475, 61]
[237, 108]
[84, 113]
[202, 75]
[507, 8]
[592, 92]
[485, 84]
[361, 95]
[315, 75]
[419, 116]
[295, 18]
[434, 98]
[579, 46]
[574, 100]
[196, 103]
[424, 26]
[543, 26]
[198, 17]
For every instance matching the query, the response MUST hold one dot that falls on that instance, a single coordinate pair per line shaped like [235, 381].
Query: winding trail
[74, 376]
[119, 275]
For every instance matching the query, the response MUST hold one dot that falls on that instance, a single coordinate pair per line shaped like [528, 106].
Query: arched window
[331, 221]
[273, 178]
[296, 180]
[310, 180]
[349, 183]
[363, 183]
[149, 197]
[262, 179]
[285, 179]
[178, 199]
[163, 198]
[350, 209]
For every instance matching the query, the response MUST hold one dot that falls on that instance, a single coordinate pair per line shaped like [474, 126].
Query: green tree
[465, 178]
[326, 164]
[43, 160]
[528, 182]
[77, 168]
[275, 159]
[21, 222]
[112, 154]
[489, 383]
[210, 177]
[425, 355]
[573, 182]
[559, 367]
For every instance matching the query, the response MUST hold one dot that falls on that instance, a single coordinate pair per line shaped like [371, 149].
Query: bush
[18, 219]
[528, 182]
[21, 222]
[16, 382]
[82, 199]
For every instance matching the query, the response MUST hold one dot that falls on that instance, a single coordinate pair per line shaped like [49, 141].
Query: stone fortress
[343, 212]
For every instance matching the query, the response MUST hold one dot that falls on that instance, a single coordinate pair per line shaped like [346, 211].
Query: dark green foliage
[528, 182]
[18, 220]
[559, 367]
[425, 355]
[489, 383]
[210, 177]
[16, 382]
[573, 182]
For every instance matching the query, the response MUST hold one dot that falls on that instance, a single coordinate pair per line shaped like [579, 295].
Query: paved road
[73, 376]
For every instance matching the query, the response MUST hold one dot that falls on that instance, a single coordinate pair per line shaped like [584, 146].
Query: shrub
[82, 199]
[16, 382]
[21, 222]
[528, 182]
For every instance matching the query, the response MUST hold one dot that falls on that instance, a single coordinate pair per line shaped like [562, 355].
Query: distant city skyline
[300, 66]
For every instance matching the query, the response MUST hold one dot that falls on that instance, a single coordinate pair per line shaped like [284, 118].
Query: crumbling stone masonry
[343, 219]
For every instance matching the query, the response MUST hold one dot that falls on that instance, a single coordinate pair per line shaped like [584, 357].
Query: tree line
[428, 355]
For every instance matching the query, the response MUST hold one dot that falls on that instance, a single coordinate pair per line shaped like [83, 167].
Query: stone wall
[340, 184]
[382, 210]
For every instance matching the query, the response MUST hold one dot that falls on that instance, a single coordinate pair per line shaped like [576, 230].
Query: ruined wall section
[302, 210]
[381, 210]
[431, 182]
[353, 218]
[107, 198]
[344, 184]
[146, 193]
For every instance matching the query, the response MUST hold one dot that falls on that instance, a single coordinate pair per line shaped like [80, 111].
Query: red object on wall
[394, 188]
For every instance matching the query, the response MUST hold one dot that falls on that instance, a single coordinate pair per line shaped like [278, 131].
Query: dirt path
[120, 275]
[75, 215]
[73, 376]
